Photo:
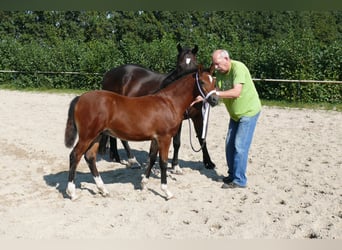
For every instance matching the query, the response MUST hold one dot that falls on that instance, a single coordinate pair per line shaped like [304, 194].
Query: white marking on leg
[144, 182]
[100, 185]
[133, 163]
[169, 195]
[176, 170]
[71, 190]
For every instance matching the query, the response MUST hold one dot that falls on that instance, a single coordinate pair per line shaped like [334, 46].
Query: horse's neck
[176, 74]
[170, 77]
[180, 93]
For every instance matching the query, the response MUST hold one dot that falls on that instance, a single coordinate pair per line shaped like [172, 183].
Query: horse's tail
[70, 129]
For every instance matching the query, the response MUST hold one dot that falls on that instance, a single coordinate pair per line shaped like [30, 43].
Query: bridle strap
[205, 113]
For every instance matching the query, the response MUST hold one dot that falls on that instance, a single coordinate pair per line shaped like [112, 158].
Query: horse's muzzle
[213, 100]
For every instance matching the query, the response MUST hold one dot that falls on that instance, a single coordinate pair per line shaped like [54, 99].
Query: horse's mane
[172, 77]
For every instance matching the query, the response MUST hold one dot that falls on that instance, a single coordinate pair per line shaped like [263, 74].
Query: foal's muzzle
[213, 100]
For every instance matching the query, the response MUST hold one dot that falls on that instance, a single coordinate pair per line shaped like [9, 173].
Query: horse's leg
[90, 157]
[132, 161]
[74, 159]
[164, 145]
[198, 124]
[113, 149]
[176, 145]
[152, 159]
[103, 144]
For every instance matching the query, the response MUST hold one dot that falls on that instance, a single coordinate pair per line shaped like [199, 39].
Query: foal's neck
[181, 92]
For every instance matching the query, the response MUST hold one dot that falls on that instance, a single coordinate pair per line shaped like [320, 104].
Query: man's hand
[197, 99]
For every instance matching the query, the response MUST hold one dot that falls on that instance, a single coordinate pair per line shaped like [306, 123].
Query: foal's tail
[70, 129]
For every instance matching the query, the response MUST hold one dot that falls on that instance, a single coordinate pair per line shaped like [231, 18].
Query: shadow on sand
[121, 175]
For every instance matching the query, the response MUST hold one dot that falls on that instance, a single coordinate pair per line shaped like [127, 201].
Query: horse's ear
[194, 50]
[179, 47]
[212, 69]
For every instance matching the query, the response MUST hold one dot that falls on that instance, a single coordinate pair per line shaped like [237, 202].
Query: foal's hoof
[169, 197]
[73, 197]
[104, 192]
[71, 191]
[168, 194]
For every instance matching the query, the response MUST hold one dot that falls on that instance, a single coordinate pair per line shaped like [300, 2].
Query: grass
[280, 104]
[302, 105]
[44, 90]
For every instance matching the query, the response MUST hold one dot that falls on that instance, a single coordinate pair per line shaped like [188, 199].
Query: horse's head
[207, 86]
[186, 58]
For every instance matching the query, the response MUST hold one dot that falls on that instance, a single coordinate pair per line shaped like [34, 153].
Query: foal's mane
[169, 80]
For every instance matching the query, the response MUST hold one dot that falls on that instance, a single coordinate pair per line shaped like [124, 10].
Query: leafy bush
[91, 43]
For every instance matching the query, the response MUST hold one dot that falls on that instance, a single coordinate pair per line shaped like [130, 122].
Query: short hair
[222, 53]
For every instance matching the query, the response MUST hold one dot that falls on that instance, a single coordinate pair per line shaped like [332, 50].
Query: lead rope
[205, 114]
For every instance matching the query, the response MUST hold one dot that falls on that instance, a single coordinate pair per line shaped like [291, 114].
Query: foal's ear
[212, 69]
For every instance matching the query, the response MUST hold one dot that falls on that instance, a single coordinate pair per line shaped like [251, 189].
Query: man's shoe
[227, 179]
[231, 185]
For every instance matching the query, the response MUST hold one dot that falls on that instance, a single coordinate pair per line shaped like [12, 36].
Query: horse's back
[132, 80]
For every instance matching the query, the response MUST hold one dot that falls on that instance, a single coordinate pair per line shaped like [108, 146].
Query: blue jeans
[238, 141]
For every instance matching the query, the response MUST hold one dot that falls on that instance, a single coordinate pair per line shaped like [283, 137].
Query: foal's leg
[74, 159]
[176, 145]
[132, 161]
[90, 157]
[164, 145]
[152, 159]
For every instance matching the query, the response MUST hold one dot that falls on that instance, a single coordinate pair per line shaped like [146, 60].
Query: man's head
[221, 60]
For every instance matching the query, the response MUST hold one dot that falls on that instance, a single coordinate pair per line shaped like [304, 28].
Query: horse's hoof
[143, 183]
[105, 194]
[131, 163]
[169, 197]
[71, 191]
[73, 197]
[209, 165]
[135, 166]
[103, 191]
[177, 170]
[167, 192]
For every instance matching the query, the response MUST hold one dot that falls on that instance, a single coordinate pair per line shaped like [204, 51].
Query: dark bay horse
[134, 80]
[155, 117]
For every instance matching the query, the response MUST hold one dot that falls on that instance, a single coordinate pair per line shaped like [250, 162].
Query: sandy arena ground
[294, 180]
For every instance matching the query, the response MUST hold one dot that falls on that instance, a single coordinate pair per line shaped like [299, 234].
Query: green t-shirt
[248, 104]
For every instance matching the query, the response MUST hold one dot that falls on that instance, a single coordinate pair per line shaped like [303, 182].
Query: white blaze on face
[210, 78]
[187, 60]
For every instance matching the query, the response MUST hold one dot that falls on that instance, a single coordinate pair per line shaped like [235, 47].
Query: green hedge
[279, 59]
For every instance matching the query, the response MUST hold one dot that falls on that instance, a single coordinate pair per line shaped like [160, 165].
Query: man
[243, 105]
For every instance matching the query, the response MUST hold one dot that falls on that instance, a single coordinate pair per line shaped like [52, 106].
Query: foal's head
[207, 84]
[186, 58]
